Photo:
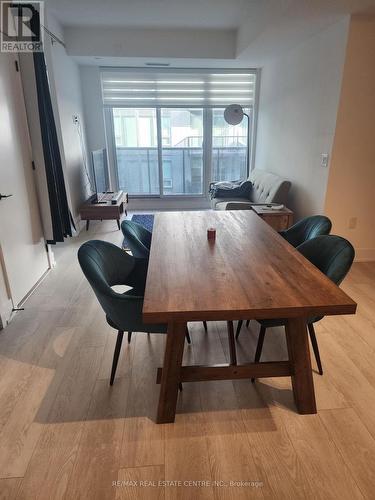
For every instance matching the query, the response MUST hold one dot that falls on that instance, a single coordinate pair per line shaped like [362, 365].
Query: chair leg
[129, 337]
[258, 352]
[247, 323]
[239, 326]
[180, 386]
[232, 344]
[205, 326]
[315, 347]
[187, 336]
[116, 356]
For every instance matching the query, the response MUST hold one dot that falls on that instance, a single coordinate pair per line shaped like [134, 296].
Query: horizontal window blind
[142, 88]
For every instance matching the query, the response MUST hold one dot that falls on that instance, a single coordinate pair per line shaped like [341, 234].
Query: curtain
[61, 217]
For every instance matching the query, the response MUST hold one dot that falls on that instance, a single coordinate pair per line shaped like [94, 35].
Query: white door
[22, 247]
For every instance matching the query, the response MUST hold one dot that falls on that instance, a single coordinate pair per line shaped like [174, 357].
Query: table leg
[87, 225]
[170, 378]
[299, 357]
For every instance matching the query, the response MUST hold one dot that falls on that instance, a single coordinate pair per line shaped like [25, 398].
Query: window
[182, 151]
[229, 147]
[136, 150]
[168, 129]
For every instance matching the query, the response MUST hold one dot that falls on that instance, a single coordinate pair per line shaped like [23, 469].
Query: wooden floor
[64, 433]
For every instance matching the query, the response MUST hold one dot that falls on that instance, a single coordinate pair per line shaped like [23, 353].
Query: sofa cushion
[216, 201]
[237, 204]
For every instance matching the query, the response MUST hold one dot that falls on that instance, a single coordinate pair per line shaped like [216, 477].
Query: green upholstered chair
[334, 256]
[138, 238]
[106, 265]
[303, 230]
[306, 229]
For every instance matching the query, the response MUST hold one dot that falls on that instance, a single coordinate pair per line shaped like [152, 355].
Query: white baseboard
[5, 313]
[365, 255]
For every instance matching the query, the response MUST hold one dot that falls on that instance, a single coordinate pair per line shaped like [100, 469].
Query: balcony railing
[138, 170]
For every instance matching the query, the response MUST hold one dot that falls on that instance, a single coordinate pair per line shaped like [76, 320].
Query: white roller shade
[149, 88]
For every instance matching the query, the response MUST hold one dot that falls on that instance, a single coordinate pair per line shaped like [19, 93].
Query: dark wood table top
[249, 271]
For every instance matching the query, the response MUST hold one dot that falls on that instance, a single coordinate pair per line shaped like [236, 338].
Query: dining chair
[307, 229]
[138, 239]
[333, 256]
[303, 230]
[106, 265]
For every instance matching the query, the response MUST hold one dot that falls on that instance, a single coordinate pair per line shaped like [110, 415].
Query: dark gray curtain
[60, 213]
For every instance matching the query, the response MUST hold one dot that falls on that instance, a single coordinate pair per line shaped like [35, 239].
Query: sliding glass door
[135, 139]
[166, 151]
[182, 151]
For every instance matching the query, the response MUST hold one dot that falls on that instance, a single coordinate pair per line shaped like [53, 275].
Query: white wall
[137, 42]
[299, 95]
[66, 96]
[93, 107]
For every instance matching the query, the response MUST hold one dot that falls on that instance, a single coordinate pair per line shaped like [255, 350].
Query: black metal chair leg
[116, 356]
[315, 347]
[187, 336]
[232, 344]
[129, 337]
[258, 352]
[239, 326]
[247, 323]
[205, 326]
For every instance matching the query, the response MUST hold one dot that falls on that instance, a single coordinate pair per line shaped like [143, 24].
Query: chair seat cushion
[143, 327]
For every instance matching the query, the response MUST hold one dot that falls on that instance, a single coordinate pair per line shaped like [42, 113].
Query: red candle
[211, 233]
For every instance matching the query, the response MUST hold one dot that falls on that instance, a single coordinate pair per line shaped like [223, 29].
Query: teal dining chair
[106, 265]
[307, 229]
[303, 230]
[333, 256]
[138, 239]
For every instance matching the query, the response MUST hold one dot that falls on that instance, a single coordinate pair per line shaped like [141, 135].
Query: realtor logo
[22, 26]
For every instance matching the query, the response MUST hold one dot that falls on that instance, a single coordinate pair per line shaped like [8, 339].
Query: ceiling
[152, 13]
[255, 29]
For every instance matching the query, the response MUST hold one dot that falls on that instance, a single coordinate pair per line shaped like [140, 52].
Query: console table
[103, 210]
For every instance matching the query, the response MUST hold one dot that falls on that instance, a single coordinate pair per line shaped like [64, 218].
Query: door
[22, 247]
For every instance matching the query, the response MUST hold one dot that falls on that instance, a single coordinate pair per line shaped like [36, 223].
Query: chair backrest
[333, 255]
[105, 265]
[306, 229]
[137, 238]
[268, 187]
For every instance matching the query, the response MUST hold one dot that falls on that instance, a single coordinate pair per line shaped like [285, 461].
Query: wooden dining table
[247, 272]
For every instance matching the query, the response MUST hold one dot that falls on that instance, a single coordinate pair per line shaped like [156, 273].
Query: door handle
[5, 196]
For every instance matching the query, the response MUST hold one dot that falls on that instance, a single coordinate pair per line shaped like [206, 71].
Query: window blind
[149, 88]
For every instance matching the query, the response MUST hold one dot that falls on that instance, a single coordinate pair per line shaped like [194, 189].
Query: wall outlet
[75, 119]
[352, 223]
[324, 160]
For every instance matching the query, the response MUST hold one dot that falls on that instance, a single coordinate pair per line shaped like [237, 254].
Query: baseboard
[365, 255]
[5, 313]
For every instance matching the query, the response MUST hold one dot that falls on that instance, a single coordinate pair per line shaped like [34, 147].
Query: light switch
[324, 160]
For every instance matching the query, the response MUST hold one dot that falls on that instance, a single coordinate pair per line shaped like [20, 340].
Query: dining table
[248, 271]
